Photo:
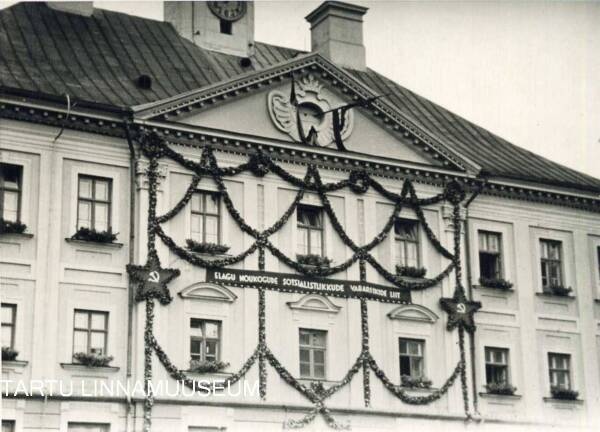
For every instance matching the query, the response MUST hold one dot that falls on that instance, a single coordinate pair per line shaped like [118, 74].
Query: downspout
[470, 286]
[130, 296]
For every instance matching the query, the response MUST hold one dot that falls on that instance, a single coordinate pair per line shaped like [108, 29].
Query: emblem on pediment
[314, 112]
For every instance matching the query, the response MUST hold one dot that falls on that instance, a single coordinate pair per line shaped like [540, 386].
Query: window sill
[308, 381]
[554, 296]
[565, 401]
[487, 395]
[80, 367]
[209, 255]
[25, 235]
[412, 279]
[93, 243]
[14, 364]
[508, 291]
[209, 376]
[418, 389]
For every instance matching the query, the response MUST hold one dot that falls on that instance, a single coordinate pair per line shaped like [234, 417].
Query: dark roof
[98, 59]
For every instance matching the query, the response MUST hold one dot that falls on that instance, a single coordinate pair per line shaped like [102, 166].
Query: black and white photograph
[232, 216]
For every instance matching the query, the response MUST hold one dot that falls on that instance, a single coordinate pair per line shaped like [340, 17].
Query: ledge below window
[487, 395]
[554, 296]
[24, 235]
[418, 389]
[13, 364]
[208, 376]
[82, 367]
[308, 381]
[565, 401]
[93, 243]
[206, 255]
[499, 290]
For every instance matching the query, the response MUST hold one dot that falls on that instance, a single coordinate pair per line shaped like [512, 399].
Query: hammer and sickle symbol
[154, 277]
[461, 308]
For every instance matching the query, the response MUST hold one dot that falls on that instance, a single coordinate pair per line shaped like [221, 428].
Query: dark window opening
[226, 27]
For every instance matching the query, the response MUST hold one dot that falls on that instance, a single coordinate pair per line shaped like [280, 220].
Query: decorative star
[151, 280]
[460, 312]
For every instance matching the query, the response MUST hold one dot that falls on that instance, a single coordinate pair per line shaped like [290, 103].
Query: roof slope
[98, 59]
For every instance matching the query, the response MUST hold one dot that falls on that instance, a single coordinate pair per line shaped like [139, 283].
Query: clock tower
[223, 26]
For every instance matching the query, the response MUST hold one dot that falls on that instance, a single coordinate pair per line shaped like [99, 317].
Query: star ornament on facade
[152, 280]
[460, 312]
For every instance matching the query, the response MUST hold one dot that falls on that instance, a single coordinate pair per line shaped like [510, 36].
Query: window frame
[203, 214]
[498, 255]
[204, 339]
[405, 240]
[89, 329]
[568, 370]
[311, 350]
[320, 229]
[492, 363]
[421, 357]
[19, 190]
[9, 422]
[12, 324]
[93, 200]
[545, 263]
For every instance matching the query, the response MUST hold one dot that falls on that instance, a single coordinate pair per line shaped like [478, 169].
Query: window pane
[80, 341]
[304, 369]
[315, 242]
[11, 205]
[7, 314]
[404, 365]
[81, 320]
[8, 426]
[212, 229]
[304, 355]
[84, 215]
[319, 371]
[212, 204]
[304, 338]
[302, 241]
[319, 356]
[97, 343]
[411, 254]
[413, 348]
[212, 330]
[319, 339]
[196, 202]
[416, 369]
[403, 347]
[98, 321]
[211, 349]
[102, 190]
[101, 217]
[6, 336]
[196, 346]
[196, 226]
[85, 188]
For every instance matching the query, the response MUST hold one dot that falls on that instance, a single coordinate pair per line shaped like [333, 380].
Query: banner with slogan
[307, 284]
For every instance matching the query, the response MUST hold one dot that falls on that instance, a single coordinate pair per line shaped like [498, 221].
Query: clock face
[228, 10]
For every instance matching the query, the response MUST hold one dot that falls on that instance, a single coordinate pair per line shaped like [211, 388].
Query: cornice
[294, 153]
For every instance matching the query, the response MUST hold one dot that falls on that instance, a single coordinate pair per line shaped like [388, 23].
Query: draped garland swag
[150, 280]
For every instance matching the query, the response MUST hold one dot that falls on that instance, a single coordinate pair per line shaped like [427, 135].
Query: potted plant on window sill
[563, 393]
[9, 354]
[559, 291]
[12, 227]
[421, 382]
[91, 235]
[502, 389]
[497, 283]
[210, 370]
[410, 272]
[92, 360]
[313, 261]
[206, 248]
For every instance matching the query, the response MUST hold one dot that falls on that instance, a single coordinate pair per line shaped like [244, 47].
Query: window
[205, 340]
[88, 427]
[313, 346]
[10, 192]
[496, 365]
[412, 357]
[551, 263]
[94, 203]
[310, 230]
[407, 242]
[9, 312]
[206, 217]
[490, 255]
[90, 331]
[226, 27]
[560, 370]
[8, 426]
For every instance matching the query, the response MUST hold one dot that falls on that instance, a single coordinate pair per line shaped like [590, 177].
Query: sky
[526, 71]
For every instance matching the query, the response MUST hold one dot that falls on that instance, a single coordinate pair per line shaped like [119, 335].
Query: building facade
[289, 238]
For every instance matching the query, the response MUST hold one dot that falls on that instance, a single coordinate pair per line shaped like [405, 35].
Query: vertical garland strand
[149, 396]
[364, 321]
[262, 335]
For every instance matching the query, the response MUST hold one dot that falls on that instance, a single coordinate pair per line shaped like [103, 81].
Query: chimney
[226, 27]
[83, 8]
[336, 32]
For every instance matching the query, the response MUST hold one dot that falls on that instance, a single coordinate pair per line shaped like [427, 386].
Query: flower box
[498, 283]
[410, 271]
[501, 389]
[91, 235]
[563, 394]
[560, 291]
[12, 227]
[207, 366]
[206, 247]
[314, 260]
[92, 360]
[421, 382]
[9, 354]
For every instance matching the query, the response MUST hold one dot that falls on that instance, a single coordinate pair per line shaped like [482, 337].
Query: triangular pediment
[257, 104]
